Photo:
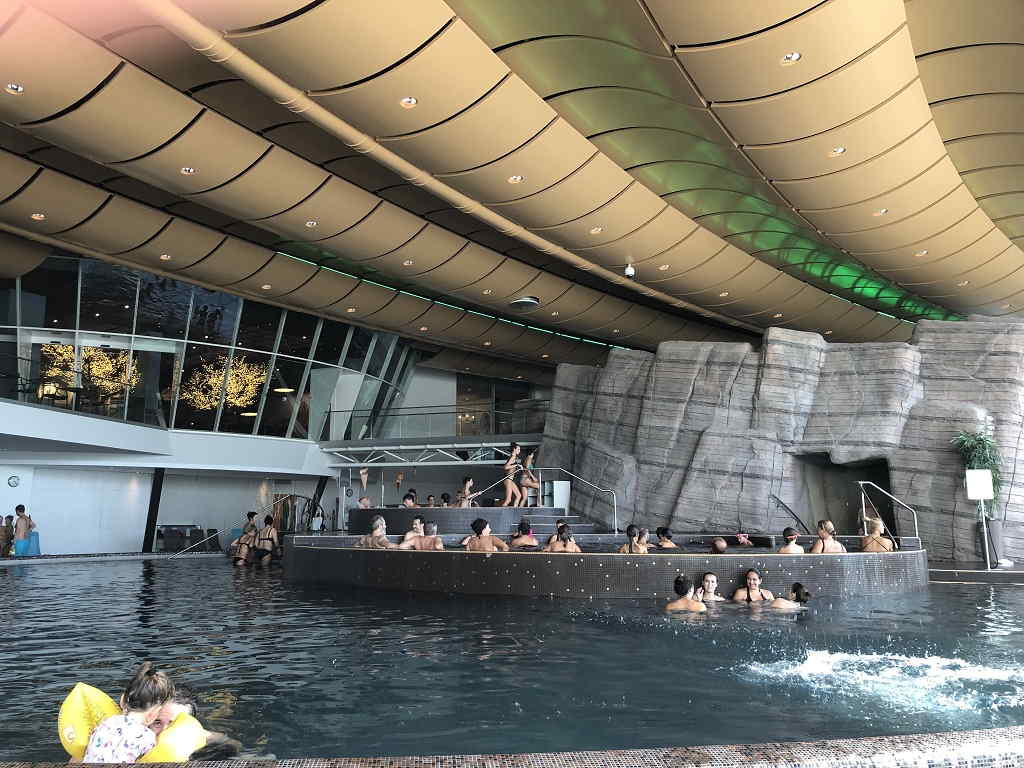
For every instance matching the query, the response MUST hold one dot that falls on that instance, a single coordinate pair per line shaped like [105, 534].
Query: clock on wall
[13, 481]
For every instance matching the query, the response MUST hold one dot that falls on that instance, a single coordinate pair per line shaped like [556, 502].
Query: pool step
[545, 524]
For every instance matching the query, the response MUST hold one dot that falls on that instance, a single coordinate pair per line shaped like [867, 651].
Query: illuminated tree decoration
[103, 371]
[244, 383]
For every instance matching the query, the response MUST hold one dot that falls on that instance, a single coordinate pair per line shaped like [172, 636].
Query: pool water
[300, 672]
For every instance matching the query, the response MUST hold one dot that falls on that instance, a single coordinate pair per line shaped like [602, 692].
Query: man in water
[431, 501]
[718, 546]
[417, 528]
[685, 602]
[22, 528]
[483, 541]
[409, 501]
[429, 541]
[377, 538]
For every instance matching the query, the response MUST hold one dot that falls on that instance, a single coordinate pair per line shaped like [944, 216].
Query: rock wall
[700, 435]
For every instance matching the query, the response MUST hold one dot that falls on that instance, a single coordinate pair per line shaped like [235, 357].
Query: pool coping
[1002, 747]
[100, 557]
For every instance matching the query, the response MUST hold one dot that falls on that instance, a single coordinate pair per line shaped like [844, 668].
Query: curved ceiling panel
[625, 213]
[431, 247]
[119, 225]
[687, 22]
[435, 321]
[229, 263]
[15, 172]
[157, 51]
[278, 277]
[657, 236]
[469, 265]
[178, 245]
[325, 288]
[471, 327]
[333, 208]
[382, 230]
[367, 297]
[51, 203]
[509, 278]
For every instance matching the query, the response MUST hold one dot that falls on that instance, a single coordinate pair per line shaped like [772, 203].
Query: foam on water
[915, 683]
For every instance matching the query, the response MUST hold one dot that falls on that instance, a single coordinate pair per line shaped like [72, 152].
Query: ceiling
[847, 167]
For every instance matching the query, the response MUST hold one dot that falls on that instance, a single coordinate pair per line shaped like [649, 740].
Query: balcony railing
[433, 421]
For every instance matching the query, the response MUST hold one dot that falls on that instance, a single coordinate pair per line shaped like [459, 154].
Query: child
[126, 737]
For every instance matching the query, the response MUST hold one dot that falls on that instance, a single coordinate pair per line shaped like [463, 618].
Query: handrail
[791, 512]
[191, 546]
[615, 505]
[903, 504]
[878, 516]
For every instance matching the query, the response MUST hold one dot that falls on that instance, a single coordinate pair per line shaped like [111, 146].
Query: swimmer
[126, 737]
[563, 542]
[707, 592]
[377, 538]
[752, 593]
[524, 536]
[685, 602]
[790, 547]
[718, 546]
[743, 540]
[558, 524]
[244, 547]
[643, 537]
[431, 501]
[465, 498]
[364, 476]
[632, 545]
[797, 600]
[218, 745]
[427, 541]
[513, 496]
[826, 543]
[665, 538]
[483, 541]
[417, 528]
[528, 480]
[267, 543]
[250, 523]
[409, 501]
[874, 541]
[446, 500]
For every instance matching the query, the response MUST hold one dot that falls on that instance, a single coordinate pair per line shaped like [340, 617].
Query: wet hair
[642, 532]
[446, 499]
[873, 525]
[750, 571]
[827, 526]
[466, 479]
[430, 496]
[430, 529]
[377, 521]
[268, 520]
[250, 515]
[632, 531]
[514, 446]
[412, 492]
[216, 750]
[148, 688]
[409, 497]
[800, 593]
[524, 528]
[715, 542]
[184, 697]
[564, 534]
[664, 533]
[478, 526]
[790, 534]
[364, 497]
[20, 508]
[682, 585]
[421, 518]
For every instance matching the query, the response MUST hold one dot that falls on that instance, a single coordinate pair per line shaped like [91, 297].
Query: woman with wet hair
[790, 547]
[752, 592]
[268, 542]
[513, 496]
[643, 537]
[564, 542]
[827, 543]
[796, 601]
[707, 592]
[632, 545]
[875, 541]
[524, 536]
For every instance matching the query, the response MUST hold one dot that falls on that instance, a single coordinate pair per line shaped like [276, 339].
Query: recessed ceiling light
[283, 390]
[777, 315]
[828, 332]
[311, 224]
[522, 302]
[465, 369]
[1005, 306]
[97, 314]
[545, 355]
[836, 151]
[409, 102]
[487, 343]
[488, 291]
[266, 286]
[963, 283]
[921, 254]
[723, 294]
[15, 89]
[350, 309]
[247, 413]
[407, 263]
[880, 212]
[126, 306]
[165, 257]
[596, 230]
[519, 377]
[516, 179]
[663, 267]
[424, 328]
[615, 330]
[38, 216]
[790, 58]
[188, 171]
[555, 313]
[55, 321]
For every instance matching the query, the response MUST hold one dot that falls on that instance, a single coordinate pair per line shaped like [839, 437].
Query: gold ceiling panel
[558, 350]
[569, 305]
[137, 190]
[181, 242]
[545, 287]
[456, 57]
[754, 66]
[630, 322]
[14, 140]
[245, 105]
[237, 149]
[718, 269]
[232, 261]
[657, 236]
[546, 159]
[804, 304]
[625, 213]
[689, 22]
[14, 173]
[382, 230]
[509, 278]
[887, 329]
[866, 137]
[480, 134]
[586, 354]
[400, 311]
[960, 72]
[696, 249]
[437, 320]
[457, 221]
[251, 233]
[844, 320]
[241, 14]
[275, 183]
[1003, 205]
[363, 301]
[307, 50]
[813, 108]
[325, 288]
[160, 53]
[662, 329]
[593, 111]
[503, 336]
[431, 247]
[365, 172]
[96, 128]
[120, 225]
[943, 24]
[973, 256]
[73, 165]
[756, 289]
[198, 213]
[582, 191]
[471, 327]
[469, 265]
[308, 141]
[979, 114]
[278, 277]
[411, 198]
[333, 208]
[959, 234]
[72, 67]
[995, 179]
[51, 203]
[606, 311]
[999, 277]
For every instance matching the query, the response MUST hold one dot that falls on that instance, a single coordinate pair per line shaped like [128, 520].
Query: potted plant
[979, 450]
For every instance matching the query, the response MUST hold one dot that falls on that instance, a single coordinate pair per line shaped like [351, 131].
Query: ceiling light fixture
[524, 302]
[1005, 306]
[615, 330]
[266, 286]
[284, 390]
[921, 254]
[723, 294]
[963, 283]
[516, 179]
[791, 58]
[828, 332]
[836, 151]
[408, 263]
[519, 376]
[311, 224]
[487, 343]
[250, 414]
[165, 257]
[880, 212]
[663, 267]
[424, 328]
[38, 216]
[409, 102]
[350, 310]
[596, 230]
[188, 171]
[777, 315]
[555, 313]
[545, 355]
[15, 89]
[488, 291]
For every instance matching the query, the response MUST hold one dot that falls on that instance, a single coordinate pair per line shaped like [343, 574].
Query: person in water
[827, 543]
[643, 538]
[685, 602]
[665, 538]
[218, 746]
[428, 541]
[377, 538]
[446, 500]
[707, 592]
[558, 524]
[524, 536]
[409, 501]
[416, 530]
[126, 737]
[718, 546]
[245, 547]
[483, 541]
[797, 599]
[632, 545]
[790, 547]
[752, 592]
[267, 543]
[563, 542]
[875, 541]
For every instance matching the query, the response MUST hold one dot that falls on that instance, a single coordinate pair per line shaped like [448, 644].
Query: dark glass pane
[163, 307]
[380, 354]
[297, 335]
[105, 374]
[8, 366]
[281, 397]
[246, 377]
[213, 316]
[356, 355]
[149, 401]
[8, 302]
[202, 383]
[332, 342]
[258, 328]
[108, 297]
[327, 387]
[49, 294]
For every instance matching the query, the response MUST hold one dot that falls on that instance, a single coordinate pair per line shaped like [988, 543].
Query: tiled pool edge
[992, 748]
[7, 562]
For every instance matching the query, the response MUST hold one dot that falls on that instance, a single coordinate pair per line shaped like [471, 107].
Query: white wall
[12, 497]
[427, 388]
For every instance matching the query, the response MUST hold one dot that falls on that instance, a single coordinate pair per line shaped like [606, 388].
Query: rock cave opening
[829, 490]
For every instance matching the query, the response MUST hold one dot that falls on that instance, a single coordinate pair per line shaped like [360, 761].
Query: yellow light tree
[204, 384]
[105, 371]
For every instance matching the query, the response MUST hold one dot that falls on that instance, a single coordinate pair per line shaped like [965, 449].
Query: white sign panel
[979, 484]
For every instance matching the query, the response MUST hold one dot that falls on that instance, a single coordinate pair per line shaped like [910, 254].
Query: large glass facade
[109, 341]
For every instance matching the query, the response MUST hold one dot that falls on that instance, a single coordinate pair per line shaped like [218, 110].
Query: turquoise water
[299, 672]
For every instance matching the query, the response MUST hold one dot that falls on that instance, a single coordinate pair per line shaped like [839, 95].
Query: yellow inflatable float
[86, 707]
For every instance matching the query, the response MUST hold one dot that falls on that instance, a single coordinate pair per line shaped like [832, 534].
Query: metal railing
[615, 503]
[431, 421]
[865, 500]
[793, 514]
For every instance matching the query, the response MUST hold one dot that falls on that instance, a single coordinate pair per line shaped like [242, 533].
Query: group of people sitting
[827, 543]
[256, 546]
[695, 598]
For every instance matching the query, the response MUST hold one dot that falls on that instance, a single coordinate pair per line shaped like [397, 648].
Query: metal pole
[984, 536]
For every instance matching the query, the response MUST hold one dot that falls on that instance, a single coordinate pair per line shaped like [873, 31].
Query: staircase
[543, 522]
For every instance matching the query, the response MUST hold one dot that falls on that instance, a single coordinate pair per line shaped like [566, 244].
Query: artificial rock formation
[700, 435]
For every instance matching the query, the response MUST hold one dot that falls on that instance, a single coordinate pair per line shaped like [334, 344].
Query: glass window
[8, 302]
[297, 335]
[108, 297]
[327, 390]
[52, 375]
[104, 375]
[49, 294]
[213, 316]
[9, 366]
[379, 356]
[246, 376]
[258, 327]
[202, 383]
[149, 400]
[332, 342]
[357, 349]
[163, 307]
[281, 397]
